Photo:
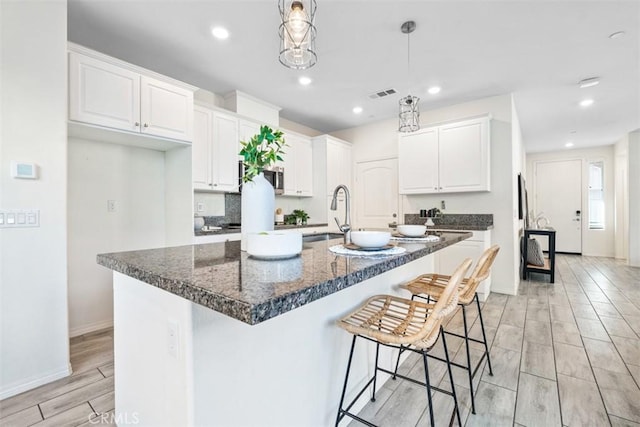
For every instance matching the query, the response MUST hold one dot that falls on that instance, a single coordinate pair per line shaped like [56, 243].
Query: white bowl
[412, 230]
[370, 239]
[274, 245]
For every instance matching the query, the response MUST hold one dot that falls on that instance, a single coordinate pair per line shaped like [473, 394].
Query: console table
[549, 266]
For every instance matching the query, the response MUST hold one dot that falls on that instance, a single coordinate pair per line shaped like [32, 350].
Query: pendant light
[409, 115]
[297, 33]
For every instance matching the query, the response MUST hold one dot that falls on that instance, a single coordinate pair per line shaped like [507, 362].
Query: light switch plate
[19, 218]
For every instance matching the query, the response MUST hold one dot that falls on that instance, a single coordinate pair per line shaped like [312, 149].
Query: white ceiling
[536, 49]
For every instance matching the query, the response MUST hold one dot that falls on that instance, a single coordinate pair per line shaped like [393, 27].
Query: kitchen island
[205, 335]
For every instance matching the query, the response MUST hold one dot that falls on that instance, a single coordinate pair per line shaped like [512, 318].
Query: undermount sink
[321, 237]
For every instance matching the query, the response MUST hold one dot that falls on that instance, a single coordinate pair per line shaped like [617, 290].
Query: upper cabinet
[109, 93]
[298, 165]
[445, 159]
[215, 150]
[338, 163]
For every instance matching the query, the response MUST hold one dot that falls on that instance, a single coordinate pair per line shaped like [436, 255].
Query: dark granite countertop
[460, 227]
[227, 230]
[223, 278]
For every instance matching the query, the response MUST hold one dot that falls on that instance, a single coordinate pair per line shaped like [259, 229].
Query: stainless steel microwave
[273, 174]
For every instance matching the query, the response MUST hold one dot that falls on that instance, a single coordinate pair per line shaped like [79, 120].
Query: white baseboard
[91, 327]
[33, 382]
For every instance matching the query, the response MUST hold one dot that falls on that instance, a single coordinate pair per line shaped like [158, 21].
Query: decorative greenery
[261, 151]
[295, 215]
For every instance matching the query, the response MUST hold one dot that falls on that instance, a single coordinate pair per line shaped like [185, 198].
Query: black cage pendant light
[409, 115]
[297, 33]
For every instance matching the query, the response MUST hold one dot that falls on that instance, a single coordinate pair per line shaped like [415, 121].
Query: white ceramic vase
[258, 205]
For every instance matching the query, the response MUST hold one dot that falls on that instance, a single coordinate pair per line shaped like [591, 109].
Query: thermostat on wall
[24, 170]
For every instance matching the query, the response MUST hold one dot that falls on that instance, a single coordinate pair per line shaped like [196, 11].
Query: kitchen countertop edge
[278, 305]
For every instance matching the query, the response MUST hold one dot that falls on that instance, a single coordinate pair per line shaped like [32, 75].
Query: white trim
[34, 381]
[91, 327]
[238, 93]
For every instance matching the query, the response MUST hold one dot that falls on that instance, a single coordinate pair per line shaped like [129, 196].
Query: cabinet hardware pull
[146, 125]
[137, 124]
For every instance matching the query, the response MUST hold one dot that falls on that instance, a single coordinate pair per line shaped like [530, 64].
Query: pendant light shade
[297, 33]
[409, 115]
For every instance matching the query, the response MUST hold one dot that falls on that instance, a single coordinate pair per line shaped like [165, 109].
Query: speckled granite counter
[473, 222]
[221, 277]
[236, 230]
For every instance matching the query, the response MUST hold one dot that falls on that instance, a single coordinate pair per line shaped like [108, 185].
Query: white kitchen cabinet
[445, 159]
[215, 151]
[449, 258]
[298, 166]
[110, 93]
[339, 167]
[332, 166]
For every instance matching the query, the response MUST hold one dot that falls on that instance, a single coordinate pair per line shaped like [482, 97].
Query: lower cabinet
[449, 258]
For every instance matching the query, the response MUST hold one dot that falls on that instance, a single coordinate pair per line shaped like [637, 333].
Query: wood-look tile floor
[85, 398]
[563, 354]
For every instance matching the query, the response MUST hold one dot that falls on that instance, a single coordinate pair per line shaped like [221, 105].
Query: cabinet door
[103, 94]
[304, 168]
[464, 156]
[451, 257]
[201, 149]
[418, 162]
[289, 164]
[166, 110]
[225, 152]
[338, 165]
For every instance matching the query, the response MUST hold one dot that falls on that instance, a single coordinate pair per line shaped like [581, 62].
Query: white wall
[134, 178]
[634, 198]
[621, 162]
[34, 341]
[380, 141]
[594, 242]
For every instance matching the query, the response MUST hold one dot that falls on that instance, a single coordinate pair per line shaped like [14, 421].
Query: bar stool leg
[375, 373]
[346, 378]
[453, 387]
[484, 336]
[469, 369]
[428, 384]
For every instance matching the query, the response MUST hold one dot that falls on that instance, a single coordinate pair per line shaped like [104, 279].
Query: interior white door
[376, 194]
[558, 197]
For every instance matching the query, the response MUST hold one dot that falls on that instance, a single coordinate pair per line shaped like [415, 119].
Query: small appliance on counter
[198, 223]
[279, 216]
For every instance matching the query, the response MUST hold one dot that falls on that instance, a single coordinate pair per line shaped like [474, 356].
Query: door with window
[558, 197]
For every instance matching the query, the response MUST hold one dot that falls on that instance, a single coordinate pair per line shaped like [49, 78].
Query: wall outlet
[199, 207]
[173, 335]
[442, 205]
[111, 206]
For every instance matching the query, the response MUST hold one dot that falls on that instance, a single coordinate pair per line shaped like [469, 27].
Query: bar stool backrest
[446, 306]
[480, 273]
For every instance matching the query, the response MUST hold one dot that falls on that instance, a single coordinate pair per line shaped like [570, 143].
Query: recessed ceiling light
[220, 33]
[591, 81]
[305, 81]
[569, 144]
[357, 110]
[617, 35]
[434, 89]
[586, 102]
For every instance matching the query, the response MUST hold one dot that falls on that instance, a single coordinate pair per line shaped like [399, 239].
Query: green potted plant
[301, 216]
[261, 151]
[258, 197]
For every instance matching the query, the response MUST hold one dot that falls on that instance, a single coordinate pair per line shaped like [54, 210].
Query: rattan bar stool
[432, 287]
[403, 323]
